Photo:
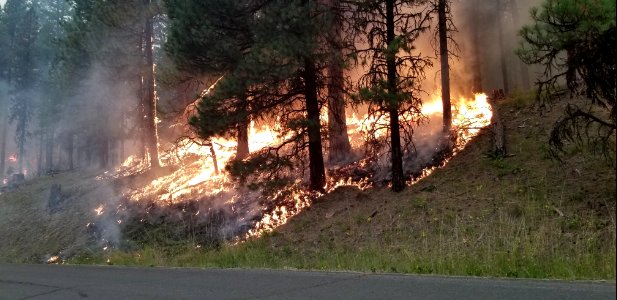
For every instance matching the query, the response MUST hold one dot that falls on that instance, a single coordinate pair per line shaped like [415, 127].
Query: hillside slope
[525, 215]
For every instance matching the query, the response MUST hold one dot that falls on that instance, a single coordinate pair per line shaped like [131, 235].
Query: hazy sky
[2, 2]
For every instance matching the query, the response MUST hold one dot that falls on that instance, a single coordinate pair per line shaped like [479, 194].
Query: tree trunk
[5, 129]
[103, 151]
[445, 68]
[398, 177]
[143, 153]
[338, 140]
[243, 139]
[49, 151]
[39, 161]
[214, 160]
[316, 163]
[87, 154]
[475, 15]
[150, 99]
[70, 150]
[21, 144]
[502, 48]
[524, 69]
[497, 129]
[122, 136]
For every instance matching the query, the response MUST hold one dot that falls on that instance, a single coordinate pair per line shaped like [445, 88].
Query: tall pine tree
[392, 83]
[277, 77]
[22, 28]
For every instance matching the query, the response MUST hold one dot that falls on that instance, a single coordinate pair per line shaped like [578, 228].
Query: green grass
[514, 254]
[524, 215]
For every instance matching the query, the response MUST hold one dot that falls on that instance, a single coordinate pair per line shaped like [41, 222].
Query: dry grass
[520, 216]
[31, 233]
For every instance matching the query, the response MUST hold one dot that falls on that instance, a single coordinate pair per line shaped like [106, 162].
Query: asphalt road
[100, 282]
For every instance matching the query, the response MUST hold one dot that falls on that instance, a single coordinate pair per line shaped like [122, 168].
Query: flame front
[200, 173]
[470, 117]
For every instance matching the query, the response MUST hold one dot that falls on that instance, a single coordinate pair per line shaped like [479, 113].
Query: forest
[225, 119]
[90, 83]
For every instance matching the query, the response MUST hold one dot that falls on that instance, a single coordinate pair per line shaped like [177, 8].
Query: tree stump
[16, 180]
[54, 202]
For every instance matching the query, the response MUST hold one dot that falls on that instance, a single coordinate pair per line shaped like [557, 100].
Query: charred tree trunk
[445, 68]
[21, 144]
[502, 47]
[338, 140]
[70, 149]
[39, 160]
[214, 160]
[150, 98]
[122, 151]
[243, 139]
[122, 137]
[103, 151]
[398, 177]
[112, 145]
[49, 151]
[142, 114]
[497, 128]
[316, 163]
[5, 129]
[88, 155]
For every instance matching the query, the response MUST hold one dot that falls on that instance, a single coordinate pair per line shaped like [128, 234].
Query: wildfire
[470, 117]
[199, 173]
[200, 167]
[99, 210]
[53, 260]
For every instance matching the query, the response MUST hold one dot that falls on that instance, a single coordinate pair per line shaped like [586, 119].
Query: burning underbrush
[194, 197]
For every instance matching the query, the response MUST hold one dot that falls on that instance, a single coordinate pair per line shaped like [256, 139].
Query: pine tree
[21, 22]
[52, 14]
[4, 103]
[73, 64]
[503, 52]
[393, 81]
[220, 37]
[149, 95]
[570, 40]
[106, 45]
[339, 147]
[278, 75]
[475, 15]
[442, 12]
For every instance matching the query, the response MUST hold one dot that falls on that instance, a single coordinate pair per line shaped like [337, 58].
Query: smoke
[480, 24]
[97, 126]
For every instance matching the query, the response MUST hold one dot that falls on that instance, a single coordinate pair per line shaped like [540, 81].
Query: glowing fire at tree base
[197, 192]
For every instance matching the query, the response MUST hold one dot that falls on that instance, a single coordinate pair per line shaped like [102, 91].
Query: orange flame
[196, 174]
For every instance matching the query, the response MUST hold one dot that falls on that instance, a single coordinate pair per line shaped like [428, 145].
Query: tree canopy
[573, 41]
